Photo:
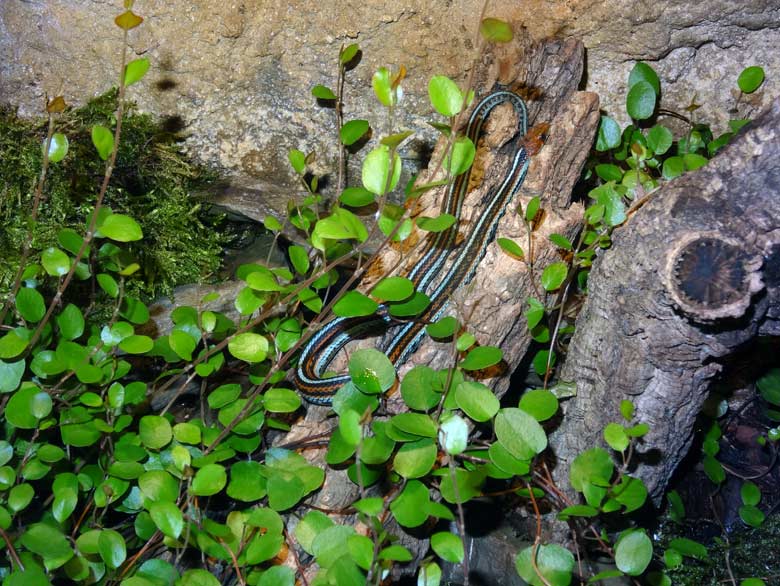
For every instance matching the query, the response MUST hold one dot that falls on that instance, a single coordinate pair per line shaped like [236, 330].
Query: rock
[235, 77]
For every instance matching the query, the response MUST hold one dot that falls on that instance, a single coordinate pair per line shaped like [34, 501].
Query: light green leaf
[249, 347]
[353, 131]
[58, 147]
[136, 70]
[103, 140]
[323, 93]
[633, 552]
[445, 95]
[376, 171]
[495, 30]
[121, 228]
[553, 562]
[448, 547]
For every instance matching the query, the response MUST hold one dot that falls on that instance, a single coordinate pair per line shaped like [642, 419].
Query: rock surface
[235, 76]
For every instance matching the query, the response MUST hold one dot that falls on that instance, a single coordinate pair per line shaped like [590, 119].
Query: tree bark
[690, 278]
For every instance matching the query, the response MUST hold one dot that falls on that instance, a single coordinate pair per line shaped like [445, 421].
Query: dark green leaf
[323, 93]
[643, 72]
[354, 304]
[481, 357]
[30, 304]
[659, 139]
[750, 79]
[640, 101]
[608, 136]
[168, 518]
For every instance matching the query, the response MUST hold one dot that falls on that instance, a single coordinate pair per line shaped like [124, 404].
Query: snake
[426, 275]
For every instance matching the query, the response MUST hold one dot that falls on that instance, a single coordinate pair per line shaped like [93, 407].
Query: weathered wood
[690, 278]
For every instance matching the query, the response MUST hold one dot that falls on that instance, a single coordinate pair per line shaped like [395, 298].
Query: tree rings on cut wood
[711, 276]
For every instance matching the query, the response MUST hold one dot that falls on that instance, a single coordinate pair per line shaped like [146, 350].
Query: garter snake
[323, 346]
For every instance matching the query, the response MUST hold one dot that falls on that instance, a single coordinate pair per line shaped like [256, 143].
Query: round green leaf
[410, 507]
[382, 85]
[750, 79]
[209, 480]
[354, 304]
[278, 400]
[554, 275]
[481, 357]
[19, 411]
[112, 548]
[462, 156]
[11, 375]
[352, 131]
[609, 135]
[454, 434]
[417, 388]
[168, 518]
[438, 224]
[249, 347]
[121, 228]
[137, 344]
[376, 171]
[356, 197]
[49, 543]
[659, 139]
[71, 322]
[30, 304]
[476, 400]
[750, 493]
[155, 431]
[751, 515]
[443, 328]
[593, 466]
[640, 101]
[417, 424]
[58, 147]
[554, 562]
[247, 482]
[633, 552]
[448, 547]
[540, 403]
[20, 496]
[415, 459]
[197, 578]
[643, 72]
[55, 262]
[615, 436]
[371, 371]
[158, 485]
[510, 247]
[135, 70]
[103, 140]
[323, 93]
[520, 433]
[494, 30]
[445, 95]
[393, 289]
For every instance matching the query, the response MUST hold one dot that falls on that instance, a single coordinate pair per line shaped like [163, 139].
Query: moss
[153, 181]
[752, 553]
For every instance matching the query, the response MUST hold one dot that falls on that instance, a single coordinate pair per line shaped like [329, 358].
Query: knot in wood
[711, 277]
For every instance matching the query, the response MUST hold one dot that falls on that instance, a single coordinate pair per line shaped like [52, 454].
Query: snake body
[323, 346]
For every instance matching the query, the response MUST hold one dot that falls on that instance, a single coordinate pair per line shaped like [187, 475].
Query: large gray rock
[236, 75]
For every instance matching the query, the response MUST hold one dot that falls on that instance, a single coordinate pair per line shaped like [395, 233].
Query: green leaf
[539, 403]
[197, 578]
[445, 95]
[55, 262]
[463, 152]
[348, 53]
[476, 400]
[376, 171]
[209, 480]
[532, 208]
[438, 224]
[393, 140]
[609, 172]
[49, 543]
[454, 436]
[415, 459]
[659, 139]
[510, 247]
[155, 431]
[356, 197]
[247, 483]
[249, 347]
[593, 466]
[750, 79]
[298, 161]
[673, 167]
[554, 275]
[11, 375]
[71, 322]
[750, 493]
[417, 388]
[494, 30]
[393, 289]
[553, 562]
[58, 147]
[323, 93]
[448, 547]
[121, 228]
[609, 135]
[20, 496]
[278, 400]
[640, 101]
[30, 304]
[693, 161]
[689, 548]
[633, 552]
[168, 518]
[615, 436]
[714, 470]
[103, 140]
[520, 433]
[371, 371]
[353, 131]
[19, 409]
[354, 304]
[158, 485]
[417, 424]
[751, 515]
[382, 85]
[443, 328]
[135, 71]
[112, 548]
[643, 72]
[312, 524]
[481, 357]
[137, 344]
[299, 259]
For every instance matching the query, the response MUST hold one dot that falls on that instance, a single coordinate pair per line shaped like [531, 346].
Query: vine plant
[95, 488]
